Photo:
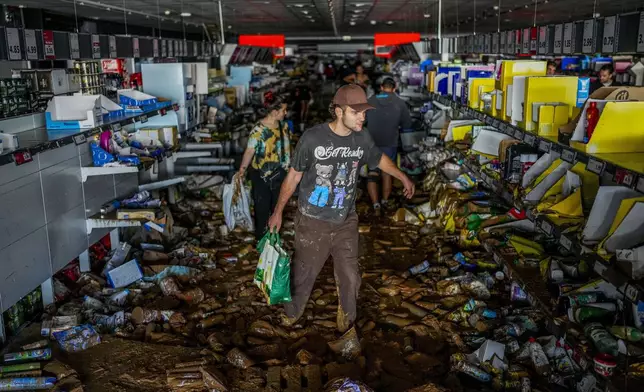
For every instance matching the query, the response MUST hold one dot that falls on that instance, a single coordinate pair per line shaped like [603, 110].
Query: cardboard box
[75, 112]
[124, 275]
[148, 214]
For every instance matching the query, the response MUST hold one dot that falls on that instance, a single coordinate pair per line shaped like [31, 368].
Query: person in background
[552, 68]
[268, 154]
[390, 114]
[606, 78]
[358, 77]
[302, 99]
[325, 165]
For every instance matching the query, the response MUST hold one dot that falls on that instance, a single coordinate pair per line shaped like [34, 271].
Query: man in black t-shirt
[325, 164]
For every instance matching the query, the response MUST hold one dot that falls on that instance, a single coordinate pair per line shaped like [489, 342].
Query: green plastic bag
[273, 273]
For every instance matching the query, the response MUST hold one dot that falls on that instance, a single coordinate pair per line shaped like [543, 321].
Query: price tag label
[518, 134]
[624, 177]
[544, 145]
[80, 139]
[195, 48]
[567, 38]
[495, 43]
[74, 47]
[632, 293]
[143, 118]
[588, 42]
[116, 127]
[22, 157]
[175, 50]
[155, 48]
[640, 184]
[96, 46]
[502, 39]
[529, 139]
[565, 242]
[546, 227]
[543, 40]
[568, 155]
[608, 42]
[595, 166]
[640, 34]
[31, 49]
[48, 43]
[135, 47]
[558, 39]
[14, 48]
[112, 46]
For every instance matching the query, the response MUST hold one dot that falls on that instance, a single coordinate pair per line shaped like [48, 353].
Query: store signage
[640, 34]
[558, 41]
[136, 52]
[74, 47]
[589, 34]
[184, 47]
[595, 166]
[510, 42]
[112, 42]
[14, 49]
[96, 46]
[31, 48]
[155, 47]
[567, 38]
[22, 157]
[48, 43]
[543, 40]
[525, 42]
[488, 43]
[608, 43]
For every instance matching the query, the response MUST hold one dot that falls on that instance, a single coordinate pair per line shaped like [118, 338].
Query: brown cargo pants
[315, 240]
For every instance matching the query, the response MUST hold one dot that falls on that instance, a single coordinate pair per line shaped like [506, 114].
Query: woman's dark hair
[271, 103]
[550, 62]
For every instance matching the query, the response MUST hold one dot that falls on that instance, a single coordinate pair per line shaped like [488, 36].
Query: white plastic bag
[237, 213]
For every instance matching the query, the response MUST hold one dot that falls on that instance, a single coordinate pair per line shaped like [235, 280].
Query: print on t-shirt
[320, 195]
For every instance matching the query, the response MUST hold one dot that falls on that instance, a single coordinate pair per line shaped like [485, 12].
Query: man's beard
[352, 128]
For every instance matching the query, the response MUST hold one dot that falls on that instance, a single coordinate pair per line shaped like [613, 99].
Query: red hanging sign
[385, 43]
[276, 42]
[48, 43]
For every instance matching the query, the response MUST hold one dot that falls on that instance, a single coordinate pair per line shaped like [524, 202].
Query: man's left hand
[409, 186]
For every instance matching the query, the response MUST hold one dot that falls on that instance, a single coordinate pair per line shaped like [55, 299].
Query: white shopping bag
[237, 212]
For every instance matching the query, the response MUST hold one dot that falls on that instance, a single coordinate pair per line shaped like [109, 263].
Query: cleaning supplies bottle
[603, 341]
[592, 117]
[539, 358]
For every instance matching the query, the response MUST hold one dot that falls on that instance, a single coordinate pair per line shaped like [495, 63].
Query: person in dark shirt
[325, 165]
[384, 123]
[302, 97]
[606, 78]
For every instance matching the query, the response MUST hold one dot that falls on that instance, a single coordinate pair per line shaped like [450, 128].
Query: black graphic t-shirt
[331, 164]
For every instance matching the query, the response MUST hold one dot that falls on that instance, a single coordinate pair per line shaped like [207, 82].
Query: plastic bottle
[603, 341]
[589, 313]
[592, 117]
[539, 358]
[419, 269]
[627, 333]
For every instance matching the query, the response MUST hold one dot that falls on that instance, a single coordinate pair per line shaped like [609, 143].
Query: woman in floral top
[268, 154]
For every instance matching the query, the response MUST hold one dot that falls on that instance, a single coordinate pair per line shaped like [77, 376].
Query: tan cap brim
[360, 107]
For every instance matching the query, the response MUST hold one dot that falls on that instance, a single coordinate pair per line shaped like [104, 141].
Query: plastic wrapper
[27, 383]
[77, 338]
[346, 385]
[30, 355]
[348, 345]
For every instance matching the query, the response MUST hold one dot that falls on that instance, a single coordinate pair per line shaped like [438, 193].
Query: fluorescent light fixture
[496, 7]
[108, 9]
[21, 6]
[299, 5]
[360, 4]
[312, 20]
[230, 27]
[186, 14]
[426, 15]
[167, 12]
[305, 12]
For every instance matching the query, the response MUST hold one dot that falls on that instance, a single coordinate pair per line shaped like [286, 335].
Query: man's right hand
[275, 222]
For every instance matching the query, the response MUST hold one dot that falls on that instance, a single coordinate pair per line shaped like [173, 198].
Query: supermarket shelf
[105, 171]
[627, 169]
[110, 221]
[161, 184]
[632, 290]
[35, 141]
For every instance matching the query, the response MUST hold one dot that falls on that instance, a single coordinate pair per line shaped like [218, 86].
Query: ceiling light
[526, 6]
[426, 15]
[305, 12]
[162, 19]
[81, 3]
[389, 22]
[373, 22]
[267, 2]
[129, 13]
[312, 20]
[597, 15]
[147, 16]
[21, 6]
[299, 5]
[496, 7]
[96, 18]
[510, 11]
[167, 12]
[360, 4]
[230, 27]
[186, 14]
[545, 2]
[352, 23]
